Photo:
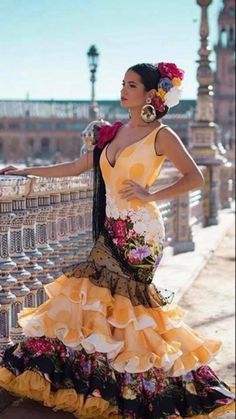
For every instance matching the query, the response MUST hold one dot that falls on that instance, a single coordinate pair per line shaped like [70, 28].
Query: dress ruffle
[135, 338]
[31, 385]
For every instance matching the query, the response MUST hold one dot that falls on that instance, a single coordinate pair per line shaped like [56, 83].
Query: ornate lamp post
[93, 63]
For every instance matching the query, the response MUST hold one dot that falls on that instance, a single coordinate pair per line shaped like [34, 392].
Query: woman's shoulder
[165, 136]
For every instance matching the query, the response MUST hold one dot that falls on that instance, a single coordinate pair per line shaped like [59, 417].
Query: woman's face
[133, 93]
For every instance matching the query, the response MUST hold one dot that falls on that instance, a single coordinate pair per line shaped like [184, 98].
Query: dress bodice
[137, 162]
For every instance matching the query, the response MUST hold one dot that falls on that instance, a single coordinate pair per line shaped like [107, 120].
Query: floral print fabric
[138, 237]
[148, 395]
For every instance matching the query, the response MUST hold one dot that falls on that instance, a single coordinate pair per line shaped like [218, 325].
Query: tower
[224, 78]
[204, 147]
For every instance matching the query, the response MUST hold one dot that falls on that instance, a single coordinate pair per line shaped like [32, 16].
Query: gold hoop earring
[148, 112]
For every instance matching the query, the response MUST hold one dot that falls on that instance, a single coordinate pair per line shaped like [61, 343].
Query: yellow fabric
[137, 162]
[30, 384]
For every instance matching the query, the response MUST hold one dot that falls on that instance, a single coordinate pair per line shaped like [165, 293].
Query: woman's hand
[133, 190]
[12, 170]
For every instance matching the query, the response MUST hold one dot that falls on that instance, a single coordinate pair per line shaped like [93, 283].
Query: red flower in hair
[170, 70]
[107, 133]
[158, 104]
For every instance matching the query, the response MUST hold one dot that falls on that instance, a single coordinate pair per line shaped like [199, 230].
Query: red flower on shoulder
[107, 133]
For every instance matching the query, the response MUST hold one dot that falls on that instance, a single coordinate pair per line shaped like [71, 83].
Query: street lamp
[93, 63]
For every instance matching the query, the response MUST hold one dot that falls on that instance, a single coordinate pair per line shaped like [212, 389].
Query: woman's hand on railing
[12, 170]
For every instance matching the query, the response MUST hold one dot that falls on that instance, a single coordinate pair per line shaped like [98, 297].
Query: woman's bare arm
[192, 178]
[73, 168]
[169, 144]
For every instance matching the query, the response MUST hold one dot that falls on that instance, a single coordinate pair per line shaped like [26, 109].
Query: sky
[44, 44]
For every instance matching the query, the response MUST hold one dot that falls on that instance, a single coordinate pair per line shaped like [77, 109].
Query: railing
[46, 224]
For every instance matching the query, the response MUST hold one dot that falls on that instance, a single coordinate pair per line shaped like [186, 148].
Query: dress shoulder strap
[160, 127]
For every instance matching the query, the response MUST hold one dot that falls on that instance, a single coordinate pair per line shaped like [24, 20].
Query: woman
[107, 342]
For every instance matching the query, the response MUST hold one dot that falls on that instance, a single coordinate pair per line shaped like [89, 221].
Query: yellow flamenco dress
[107, 343]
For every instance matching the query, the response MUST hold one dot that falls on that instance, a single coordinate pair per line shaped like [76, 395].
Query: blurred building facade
[32, 131]
[224, 85]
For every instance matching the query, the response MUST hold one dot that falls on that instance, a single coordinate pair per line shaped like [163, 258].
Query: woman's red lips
[123, 98]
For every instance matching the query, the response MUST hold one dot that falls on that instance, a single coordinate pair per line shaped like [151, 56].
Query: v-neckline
[126, 147]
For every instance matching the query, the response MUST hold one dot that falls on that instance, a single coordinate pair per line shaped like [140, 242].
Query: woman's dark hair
[150, 77]
[99, 196]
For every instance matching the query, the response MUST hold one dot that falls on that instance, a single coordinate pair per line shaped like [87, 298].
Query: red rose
[120, 228]
[107, 133]
[170, 70]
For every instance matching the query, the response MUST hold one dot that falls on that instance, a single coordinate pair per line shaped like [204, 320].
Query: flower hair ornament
[168, 91]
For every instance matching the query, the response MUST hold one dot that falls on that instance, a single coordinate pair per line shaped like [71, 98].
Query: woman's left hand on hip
[133, 190]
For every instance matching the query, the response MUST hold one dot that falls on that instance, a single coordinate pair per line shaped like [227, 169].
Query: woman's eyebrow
[130, 81]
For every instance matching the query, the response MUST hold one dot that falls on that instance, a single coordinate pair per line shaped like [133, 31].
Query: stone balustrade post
[63, 228]
[53, 235]
[7, 281]
[44, 276]
[184, 241]
[21, 260]
[73, 225]
[30, 249]
[227, 176]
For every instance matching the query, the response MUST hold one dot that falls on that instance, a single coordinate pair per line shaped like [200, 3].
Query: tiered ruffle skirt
[104, 345]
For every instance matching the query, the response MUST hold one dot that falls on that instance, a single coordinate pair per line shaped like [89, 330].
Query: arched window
[231, 36]
[45, 145]
[31, 143]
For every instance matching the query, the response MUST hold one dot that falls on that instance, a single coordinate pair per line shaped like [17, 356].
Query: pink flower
[227, 400]
[39, 346]
[121, 241]
[96, 393]
[107, 133]
[133, 260]
[170, 70]
[120, 228]
[206, 373]
[131, 233]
